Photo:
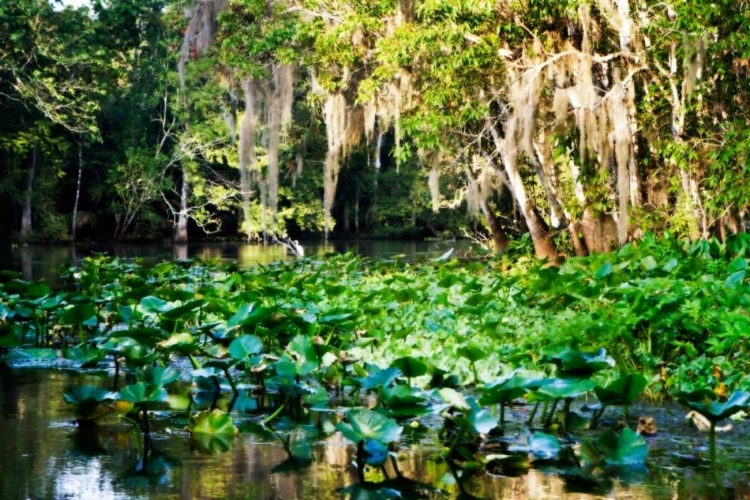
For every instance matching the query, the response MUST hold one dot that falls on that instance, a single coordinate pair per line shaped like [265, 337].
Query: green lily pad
[211, 422]
[715, 411]
[142, 393]
[87, 354]
[627, 448]
[410, 367]
[80, 314]
[574, 363]
[366, 424]
[86, 398]
[244, 346]
[158, 375]
[505, 390]
[563, 388]
[381, 378]
[473, 352]
[623, 391]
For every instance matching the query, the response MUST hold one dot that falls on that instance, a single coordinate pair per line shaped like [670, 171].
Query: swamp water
[44, 456]
[43, 262]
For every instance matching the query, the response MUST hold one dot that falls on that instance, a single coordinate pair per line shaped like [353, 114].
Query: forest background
[582, 124]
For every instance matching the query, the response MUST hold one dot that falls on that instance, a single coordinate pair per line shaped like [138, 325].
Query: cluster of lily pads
[391, 345]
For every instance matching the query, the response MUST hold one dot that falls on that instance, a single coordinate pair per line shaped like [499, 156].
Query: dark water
[44, 456]
[43, 262]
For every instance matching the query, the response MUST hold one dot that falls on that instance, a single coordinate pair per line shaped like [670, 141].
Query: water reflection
[44, 262]
[43, 456]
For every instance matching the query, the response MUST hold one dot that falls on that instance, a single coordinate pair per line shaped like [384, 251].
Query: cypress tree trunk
[181, 234]
[78, 191]
[544, 247]
[499, 238]
[26, 226]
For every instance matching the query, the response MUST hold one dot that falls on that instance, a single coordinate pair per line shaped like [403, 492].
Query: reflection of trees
[42, 456]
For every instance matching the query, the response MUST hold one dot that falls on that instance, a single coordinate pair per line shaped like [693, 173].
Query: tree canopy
[584, 123]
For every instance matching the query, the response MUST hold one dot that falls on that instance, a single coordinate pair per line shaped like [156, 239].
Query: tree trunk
[499, 238]
[78, 191]
[181, 233]
[26, 226]
[578, 246]
[247, 153]
[544, 247]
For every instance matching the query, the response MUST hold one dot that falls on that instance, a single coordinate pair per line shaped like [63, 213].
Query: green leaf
[381, 378]
[410, 367]
[141, 393]
[87, 354]
[211, 422]
[574, 363]
[80, 314]
[505, 390]
[564, 388]
[155, 305]
[715, 411]
[158, 375]
[603, 271]
[473, 352]
[82, 393]
[367, 424]
[629, 448]
[245, 346]
[623, 391]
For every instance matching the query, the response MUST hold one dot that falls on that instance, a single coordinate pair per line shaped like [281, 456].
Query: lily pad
[366, 424]
[211, 422]
[623, 391]
[715, 411]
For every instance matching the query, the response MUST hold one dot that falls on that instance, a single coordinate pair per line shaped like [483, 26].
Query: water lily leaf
[158, 375]
[376, 453]
[410, 367]
[244, 346]
[302, 351]
[454, 398]
[87, 354]
[154, 305]
[241, 315]
[211, 422]
[623, 391]
[366, 424]
[181, 311]
[473, 352]
[381, 378]
[401, 395]
[505, 390]
[648, 263]
[629, 448]
[139, 354]
[142, 393]
[562, 388]
[735, 278]
[144, 335]
[475, 418]
[574, 363]
[81, 394]
[80, 314]
[603, 271]
[181, 342]
[334, 319]
[713, 410]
